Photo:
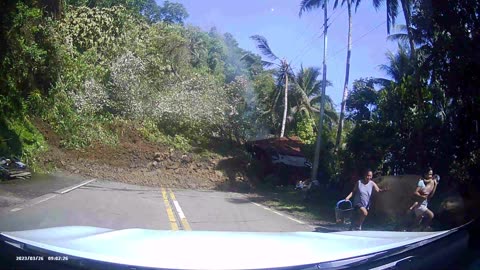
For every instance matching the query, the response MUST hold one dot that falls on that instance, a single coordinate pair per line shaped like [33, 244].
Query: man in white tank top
[362, 192]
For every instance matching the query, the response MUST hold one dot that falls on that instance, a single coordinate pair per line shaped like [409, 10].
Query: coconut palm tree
[399, 64]
[306, 96]
[283, 73]
[307, 5]
[311, 4]
[349, 4]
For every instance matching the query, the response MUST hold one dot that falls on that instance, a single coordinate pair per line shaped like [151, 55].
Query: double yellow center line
[170, 213]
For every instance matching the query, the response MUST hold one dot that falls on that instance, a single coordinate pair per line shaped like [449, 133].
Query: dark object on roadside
[13, 168]
[281, 156]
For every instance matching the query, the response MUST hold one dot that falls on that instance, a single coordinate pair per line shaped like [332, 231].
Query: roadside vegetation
[90, 70]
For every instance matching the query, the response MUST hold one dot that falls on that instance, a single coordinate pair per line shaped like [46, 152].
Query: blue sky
[299, 39]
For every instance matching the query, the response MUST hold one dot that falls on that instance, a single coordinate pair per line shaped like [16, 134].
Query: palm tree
[306, 98]
[284, 72]
[399, 64]
[392, 12]
[306, 5]
[310, 4]
[347, 67]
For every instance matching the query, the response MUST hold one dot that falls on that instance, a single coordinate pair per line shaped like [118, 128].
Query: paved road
[118, 206]
[18, 191]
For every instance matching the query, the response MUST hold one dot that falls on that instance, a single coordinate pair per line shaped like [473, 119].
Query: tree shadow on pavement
[317, 210]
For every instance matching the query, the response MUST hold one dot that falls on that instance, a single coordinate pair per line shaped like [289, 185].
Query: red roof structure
[290, 146]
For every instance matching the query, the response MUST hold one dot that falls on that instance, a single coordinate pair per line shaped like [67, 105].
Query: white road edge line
[43, 200]
[45, 197]
[63, 191]
[34, 202]
[278, 213]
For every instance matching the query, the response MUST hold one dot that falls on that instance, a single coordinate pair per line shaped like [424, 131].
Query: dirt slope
[137, 161]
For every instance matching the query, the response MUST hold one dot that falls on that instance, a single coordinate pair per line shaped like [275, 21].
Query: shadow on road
[238, 200]
[38, 185]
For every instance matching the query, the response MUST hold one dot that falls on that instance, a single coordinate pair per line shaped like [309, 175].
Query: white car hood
[213, 250]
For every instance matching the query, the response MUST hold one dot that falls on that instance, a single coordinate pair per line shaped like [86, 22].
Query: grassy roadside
[318, 209]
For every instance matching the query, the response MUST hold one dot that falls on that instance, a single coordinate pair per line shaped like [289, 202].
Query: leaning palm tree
[284, 72]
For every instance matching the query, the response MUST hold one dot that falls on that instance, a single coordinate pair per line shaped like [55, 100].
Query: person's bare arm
[377, 189]
[351, 193]
[417, 193]
[435, 183]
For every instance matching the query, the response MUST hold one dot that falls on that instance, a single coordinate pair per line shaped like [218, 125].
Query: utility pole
[322, 102]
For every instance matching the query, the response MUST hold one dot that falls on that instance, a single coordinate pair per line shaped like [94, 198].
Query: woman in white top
[426, 187]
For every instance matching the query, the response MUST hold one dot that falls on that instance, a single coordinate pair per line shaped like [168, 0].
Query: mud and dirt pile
[137, 161]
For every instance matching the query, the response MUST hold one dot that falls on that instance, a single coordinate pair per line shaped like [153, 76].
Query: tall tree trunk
[285, 102]
[347, 74]
[408, 20]
[318, 145]
[417, 87]
[413, 53]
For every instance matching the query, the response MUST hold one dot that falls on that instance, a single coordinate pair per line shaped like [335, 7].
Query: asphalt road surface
[106, 204]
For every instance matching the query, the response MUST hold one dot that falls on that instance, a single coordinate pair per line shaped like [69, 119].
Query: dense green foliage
[91, 65]
[397, 134]
[85, 66]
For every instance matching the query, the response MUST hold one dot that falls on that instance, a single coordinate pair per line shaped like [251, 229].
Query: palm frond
[267, 64]
[335, 4]
[308, 5]
[401, 28]
[383, 82]
[307, 80]
[399, 64]
[248, 57]
[392, 13]
[357, 3]
[377, 3]
[332, 115]
[398, 37]
[317, 100]
[262, 45]
[388, 70]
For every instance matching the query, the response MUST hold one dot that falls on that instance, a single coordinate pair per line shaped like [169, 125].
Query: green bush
[19, 137]
[77, 130]
[150, 131]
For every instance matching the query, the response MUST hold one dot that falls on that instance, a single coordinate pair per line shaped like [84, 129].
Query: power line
[367, 33]
[309, 47]
[338, 15]
[309, 44]
[303, 32]
[330, 20]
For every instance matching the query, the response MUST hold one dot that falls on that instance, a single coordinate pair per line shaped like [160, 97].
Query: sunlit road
[119, 206]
